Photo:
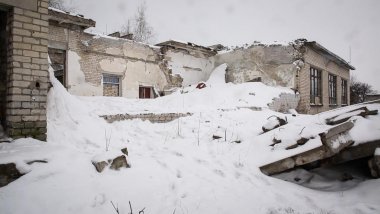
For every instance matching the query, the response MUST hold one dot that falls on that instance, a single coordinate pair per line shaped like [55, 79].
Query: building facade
[24, 80]
[319, 77]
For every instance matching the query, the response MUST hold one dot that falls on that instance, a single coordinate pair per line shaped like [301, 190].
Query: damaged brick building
[95, 65]
[116, 66]
[319, 77]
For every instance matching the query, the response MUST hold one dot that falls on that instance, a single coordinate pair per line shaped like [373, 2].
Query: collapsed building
[320, 77]
[96, 65]
[117, 66]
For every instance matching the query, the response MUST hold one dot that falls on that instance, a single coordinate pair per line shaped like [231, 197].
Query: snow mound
[218, 76]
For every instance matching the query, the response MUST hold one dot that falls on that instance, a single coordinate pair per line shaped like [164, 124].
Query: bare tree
[359, 91]
[61, 5]
[139, 27]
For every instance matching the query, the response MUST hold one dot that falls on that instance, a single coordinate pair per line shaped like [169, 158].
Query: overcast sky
[336, 24]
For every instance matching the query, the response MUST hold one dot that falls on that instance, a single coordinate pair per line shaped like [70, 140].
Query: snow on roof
[70, 17]
[97, 35]
[178, 43]
[66, 12]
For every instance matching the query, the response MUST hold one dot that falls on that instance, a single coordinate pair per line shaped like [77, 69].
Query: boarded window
[315, 86]
[145, 92]
[332, 89]
[111, 85]
[344, 92]
[58, 63]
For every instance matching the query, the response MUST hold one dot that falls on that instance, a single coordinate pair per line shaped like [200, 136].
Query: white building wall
[191, 68]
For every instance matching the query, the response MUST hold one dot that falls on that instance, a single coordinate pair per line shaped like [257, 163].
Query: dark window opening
[145, 92]
[332, 89]
[58, 63]
[111, 85]
[344, 92]
[315, 86]
[3, 65]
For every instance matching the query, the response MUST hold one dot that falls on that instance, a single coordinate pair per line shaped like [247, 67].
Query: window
[332, 89]
[344, 92]
[58, 63]
[315, 86]
[111, 85]
[145, 92]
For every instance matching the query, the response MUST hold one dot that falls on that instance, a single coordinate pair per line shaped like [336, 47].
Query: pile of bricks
[154, 118]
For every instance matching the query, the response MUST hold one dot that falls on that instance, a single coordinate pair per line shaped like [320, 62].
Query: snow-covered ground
[176, 167]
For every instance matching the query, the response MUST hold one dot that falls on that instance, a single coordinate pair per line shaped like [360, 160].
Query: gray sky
[336, 24]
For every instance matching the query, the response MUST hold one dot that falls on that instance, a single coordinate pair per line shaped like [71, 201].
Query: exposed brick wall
[154, 118]
[318, 61]
[27, 81]
[111, 90]
[285, 102]
[143, 63]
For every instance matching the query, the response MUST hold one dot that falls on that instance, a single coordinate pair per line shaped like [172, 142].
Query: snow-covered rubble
[177, 167]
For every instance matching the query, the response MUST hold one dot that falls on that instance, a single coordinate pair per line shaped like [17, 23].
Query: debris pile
[332, 142]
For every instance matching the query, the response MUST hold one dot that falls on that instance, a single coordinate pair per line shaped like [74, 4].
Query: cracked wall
[274, 65]
[89, 57]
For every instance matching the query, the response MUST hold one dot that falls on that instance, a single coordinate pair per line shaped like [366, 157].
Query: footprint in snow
[99, 200]
[219, 172]
[179, 174]
[164, 165]
[177, 154]
[203, 162]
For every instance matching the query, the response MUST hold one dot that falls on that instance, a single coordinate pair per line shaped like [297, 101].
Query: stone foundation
[154, 118]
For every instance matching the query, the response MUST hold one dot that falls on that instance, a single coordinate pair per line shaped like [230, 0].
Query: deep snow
[176, 167]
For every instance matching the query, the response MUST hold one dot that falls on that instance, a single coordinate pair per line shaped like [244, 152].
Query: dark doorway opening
[3, 66]
[58, 63]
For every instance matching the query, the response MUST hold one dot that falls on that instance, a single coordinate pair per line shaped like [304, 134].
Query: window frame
[143, 88]
[315, 86]
[332, 89]
[344, 84]
[63, 52]
[118, 83]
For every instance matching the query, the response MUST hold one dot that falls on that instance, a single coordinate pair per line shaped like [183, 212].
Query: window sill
[315, 105]
[333, 105]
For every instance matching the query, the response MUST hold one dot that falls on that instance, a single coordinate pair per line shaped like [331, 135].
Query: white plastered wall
[192, 69]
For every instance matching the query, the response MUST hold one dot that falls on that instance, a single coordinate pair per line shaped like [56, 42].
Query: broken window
[58, 63]
[315, 86]
[332, 89]
[344, 92]
[145, 92]
[111, 85]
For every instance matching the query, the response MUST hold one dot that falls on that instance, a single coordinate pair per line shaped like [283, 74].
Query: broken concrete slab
[343, 117]
[113, 159]
[8, 173]
[119, 162]
[337, 138]
[273, 123]
[374, 164]
[99, 166]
